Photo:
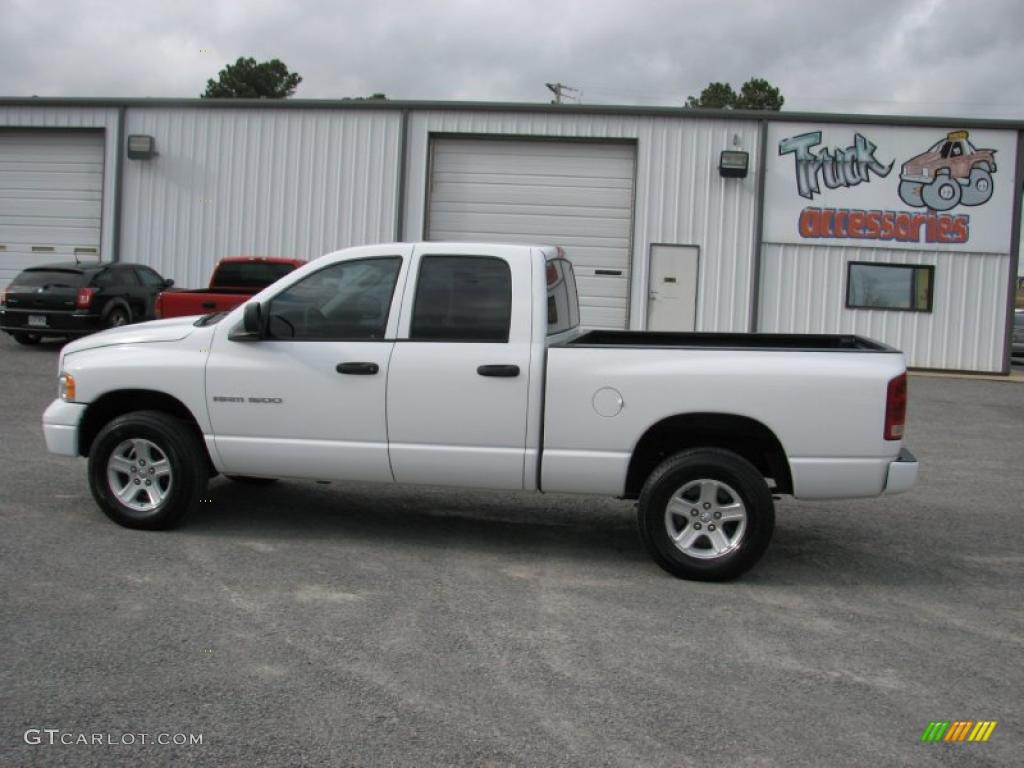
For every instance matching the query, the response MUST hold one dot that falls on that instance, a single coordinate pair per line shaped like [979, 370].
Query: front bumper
[902, 473]
[60, 427]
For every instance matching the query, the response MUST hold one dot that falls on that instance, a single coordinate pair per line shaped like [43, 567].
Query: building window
[904, 287]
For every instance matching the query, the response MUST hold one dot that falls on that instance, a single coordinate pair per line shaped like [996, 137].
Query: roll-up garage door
[578, 195]
[51, 191]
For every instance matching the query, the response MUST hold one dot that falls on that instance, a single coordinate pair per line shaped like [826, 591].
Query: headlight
[66, 387]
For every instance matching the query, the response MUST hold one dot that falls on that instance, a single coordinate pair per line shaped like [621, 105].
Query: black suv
[75, 299]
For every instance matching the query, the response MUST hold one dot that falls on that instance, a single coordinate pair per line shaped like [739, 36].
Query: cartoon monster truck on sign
[952, 172]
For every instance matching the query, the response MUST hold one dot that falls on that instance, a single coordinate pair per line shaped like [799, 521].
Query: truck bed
[727, 341]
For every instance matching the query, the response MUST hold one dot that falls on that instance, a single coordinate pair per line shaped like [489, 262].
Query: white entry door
[672, 300]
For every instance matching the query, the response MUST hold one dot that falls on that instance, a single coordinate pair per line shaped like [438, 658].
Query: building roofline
[495, 106]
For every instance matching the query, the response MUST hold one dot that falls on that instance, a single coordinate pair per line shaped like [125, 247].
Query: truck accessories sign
[905, 187]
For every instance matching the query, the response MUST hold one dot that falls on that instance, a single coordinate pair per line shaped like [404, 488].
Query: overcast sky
[914, 57]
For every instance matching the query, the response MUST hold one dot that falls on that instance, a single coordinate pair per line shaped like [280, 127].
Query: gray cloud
[921, 57]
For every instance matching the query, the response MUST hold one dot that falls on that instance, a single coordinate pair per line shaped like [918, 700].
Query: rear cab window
[249, 274]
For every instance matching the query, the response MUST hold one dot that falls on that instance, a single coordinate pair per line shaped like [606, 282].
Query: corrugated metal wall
[803, 290]
[104, 118]
[680, 197]
[295, 183]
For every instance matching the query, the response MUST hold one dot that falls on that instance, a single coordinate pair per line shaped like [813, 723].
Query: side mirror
[168, 283]
[252, 318]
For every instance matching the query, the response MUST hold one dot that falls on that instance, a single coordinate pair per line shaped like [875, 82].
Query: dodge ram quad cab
[234, 280]
[463, 365]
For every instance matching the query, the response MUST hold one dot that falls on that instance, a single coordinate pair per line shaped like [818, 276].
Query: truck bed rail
[728, 341]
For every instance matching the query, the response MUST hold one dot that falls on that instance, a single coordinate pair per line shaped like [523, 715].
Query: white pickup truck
[463, 365]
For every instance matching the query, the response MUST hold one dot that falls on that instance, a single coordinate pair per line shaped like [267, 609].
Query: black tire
[725, 474]
[117, 317]
[28, 339]
[170, 438]
[246, 480]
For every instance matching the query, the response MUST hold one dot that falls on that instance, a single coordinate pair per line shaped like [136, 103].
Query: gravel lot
[360, 625]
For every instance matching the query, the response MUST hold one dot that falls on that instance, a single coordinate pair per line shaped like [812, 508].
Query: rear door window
[105, 279]
[116, 277]
[149, 278]
[462, 298]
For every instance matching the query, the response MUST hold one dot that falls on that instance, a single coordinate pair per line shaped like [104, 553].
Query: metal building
[835, 224]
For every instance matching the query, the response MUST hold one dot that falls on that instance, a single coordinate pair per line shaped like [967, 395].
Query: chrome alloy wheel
[139, 474]
[706, 519]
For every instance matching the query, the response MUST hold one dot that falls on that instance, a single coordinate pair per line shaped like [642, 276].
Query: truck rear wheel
[706, 514]
[147, 469]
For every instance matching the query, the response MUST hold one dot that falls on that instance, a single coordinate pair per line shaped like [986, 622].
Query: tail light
[3, 298]
[896, 408]
[84, 299]
[158, 305]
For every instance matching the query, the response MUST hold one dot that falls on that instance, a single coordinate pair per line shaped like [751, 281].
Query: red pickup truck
[234, 279]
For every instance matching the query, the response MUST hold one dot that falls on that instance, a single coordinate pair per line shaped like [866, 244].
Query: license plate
[37, 321]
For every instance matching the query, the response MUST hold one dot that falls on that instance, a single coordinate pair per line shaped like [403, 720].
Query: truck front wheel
[147, 469]
[706, 514]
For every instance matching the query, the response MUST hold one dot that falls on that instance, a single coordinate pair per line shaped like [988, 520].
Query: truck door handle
[209, 304]
[506, 371]
[358, 369]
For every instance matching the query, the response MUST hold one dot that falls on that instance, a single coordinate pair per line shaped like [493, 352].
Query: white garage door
[578, 195]
[51, 190]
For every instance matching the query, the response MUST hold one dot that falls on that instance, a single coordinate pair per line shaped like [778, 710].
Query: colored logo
[952, 172]
[958, 730]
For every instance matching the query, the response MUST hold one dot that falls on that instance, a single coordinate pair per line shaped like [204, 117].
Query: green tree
[756, 93]
[715, 96]
[247, 79]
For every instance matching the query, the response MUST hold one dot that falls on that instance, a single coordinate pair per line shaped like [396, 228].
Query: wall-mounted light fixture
[732, 164]
[141, 147]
